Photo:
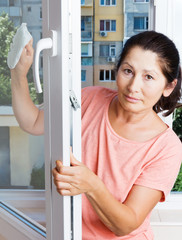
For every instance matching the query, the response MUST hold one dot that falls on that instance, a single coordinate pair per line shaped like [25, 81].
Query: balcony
[12, 11]
[86, 35]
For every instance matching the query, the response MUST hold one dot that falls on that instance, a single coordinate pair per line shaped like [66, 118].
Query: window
[29, 9]
[107, 75]
[40, 12]
[3, 3]
[83, 75]
[82, 2]
[107, 50]
[141, 1]
[84, 49]
[108, 2]
[108, 25]
[11, 3]
[140, 23]
[86, 28]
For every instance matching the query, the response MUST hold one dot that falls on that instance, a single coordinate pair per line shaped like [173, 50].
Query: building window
[108, 25]
[84, 49]
[11, 3]
[40, 12]
[107, 50]
[3, 3]
[141, 1]
[108, 2]
[107, 75]
[82, 2]
[140, 23]
[29, 9]
[86, 28]
[83, 75]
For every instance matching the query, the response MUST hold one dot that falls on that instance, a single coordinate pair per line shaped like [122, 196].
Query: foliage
[7, 32]
[38, 178]
[178, 184]
[177, 127]
[177, 123]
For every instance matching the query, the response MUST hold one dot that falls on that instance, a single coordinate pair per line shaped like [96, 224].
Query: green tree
[177, 123]
[7, 32]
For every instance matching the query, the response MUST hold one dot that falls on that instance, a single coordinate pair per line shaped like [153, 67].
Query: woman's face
[140, 81]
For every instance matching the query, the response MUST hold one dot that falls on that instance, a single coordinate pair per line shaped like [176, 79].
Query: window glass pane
[107, 2]
[84, 49]
[21, 154]
[104, 50]
[113, 2]
[107, 25]
[82, 2]
[101, 75]
[82, 24]
[101, 25]
[83, 75]
[139, 23]
[101, 2]
[107, 75]
[3, 3]
[113, 25]
[113, 78]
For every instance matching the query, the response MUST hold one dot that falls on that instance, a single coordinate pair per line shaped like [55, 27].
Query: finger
[59, 165]
[64, 192]
[62, 185]
[74, 161]
[63, 178]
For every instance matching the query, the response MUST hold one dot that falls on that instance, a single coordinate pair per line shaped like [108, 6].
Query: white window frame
[166, 22]
[108, 20]
[110, 5]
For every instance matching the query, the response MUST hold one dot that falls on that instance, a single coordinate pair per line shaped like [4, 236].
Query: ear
[169, 88]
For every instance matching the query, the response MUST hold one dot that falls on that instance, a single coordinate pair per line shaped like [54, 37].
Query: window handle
[42, 44]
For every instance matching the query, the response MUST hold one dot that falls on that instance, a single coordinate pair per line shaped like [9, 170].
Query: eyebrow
[151, 70]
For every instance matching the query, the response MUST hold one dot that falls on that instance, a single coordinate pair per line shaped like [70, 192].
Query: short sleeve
[161, 172]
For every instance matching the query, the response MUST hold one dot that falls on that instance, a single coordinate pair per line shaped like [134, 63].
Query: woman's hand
[21, 69]
[74, 180]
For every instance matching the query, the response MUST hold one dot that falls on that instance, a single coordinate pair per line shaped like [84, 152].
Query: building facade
[136, 17]
[87, 42]
[108, 37]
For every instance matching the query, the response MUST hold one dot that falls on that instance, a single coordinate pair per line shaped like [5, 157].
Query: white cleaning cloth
[20, 40]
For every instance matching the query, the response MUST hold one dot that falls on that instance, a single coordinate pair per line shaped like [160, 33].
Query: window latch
[73, 100]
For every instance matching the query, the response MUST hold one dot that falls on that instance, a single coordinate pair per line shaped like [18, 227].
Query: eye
[148, 77]
[127, 71]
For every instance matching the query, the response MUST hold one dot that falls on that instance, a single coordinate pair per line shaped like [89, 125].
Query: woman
[131, 158]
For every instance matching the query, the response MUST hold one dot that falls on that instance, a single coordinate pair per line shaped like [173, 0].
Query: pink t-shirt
[121, 163]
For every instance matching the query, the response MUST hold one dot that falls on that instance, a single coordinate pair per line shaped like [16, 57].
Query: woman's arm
[120, 218]
[29, 117]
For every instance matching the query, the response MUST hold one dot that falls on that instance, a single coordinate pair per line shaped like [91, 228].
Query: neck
[131, 117]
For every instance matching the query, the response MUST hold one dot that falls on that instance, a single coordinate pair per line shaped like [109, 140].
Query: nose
[134, 84]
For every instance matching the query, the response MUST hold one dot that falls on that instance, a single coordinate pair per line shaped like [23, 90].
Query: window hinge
[73, 100]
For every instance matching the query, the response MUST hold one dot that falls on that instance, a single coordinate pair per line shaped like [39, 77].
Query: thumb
[73, 160]
[58, 165]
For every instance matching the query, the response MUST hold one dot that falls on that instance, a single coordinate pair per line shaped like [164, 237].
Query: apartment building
[135, 17]
[87, 42]
[108, 37]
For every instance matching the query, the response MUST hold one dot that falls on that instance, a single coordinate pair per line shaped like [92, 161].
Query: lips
[131, 99]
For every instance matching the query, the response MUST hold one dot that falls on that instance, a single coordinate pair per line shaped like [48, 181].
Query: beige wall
[110, 13]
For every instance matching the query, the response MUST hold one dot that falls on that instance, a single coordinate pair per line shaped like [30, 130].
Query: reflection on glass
[21, 154]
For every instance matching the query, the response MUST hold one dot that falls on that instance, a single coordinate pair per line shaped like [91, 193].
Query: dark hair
[170, 64]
